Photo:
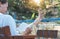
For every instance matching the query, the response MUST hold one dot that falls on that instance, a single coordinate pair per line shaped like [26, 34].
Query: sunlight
[37, 2]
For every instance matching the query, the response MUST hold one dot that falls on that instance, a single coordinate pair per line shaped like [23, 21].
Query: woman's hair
[3, 1]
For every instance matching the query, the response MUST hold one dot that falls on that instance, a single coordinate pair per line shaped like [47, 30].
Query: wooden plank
[47, 33]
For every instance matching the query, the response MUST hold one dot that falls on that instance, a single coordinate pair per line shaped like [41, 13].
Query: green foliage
[26, 9]
[33, 15]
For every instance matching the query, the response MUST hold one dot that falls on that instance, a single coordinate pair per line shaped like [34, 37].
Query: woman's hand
[41, 13]
[27, 31]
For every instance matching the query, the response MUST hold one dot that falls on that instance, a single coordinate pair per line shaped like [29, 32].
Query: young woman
[6, 20]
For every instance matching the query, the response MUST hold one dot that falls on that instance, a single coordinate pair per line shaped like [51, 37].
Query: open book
[22, 27]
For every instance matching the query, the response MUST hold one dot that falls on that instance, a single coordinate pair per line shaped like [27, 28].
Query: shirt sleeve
[12, 24]
[31, 25]
[22, 27]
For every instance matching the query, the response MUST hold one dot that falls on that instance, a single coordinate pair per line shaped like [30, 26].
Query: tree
[27, 9]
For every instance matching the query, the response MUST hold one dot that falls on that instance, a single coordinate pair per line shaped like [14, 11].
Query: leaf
[32, 15]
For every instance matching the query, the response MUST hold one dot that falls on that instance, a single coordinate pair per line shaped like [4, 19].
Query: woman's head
[3, 1]
[3, 6]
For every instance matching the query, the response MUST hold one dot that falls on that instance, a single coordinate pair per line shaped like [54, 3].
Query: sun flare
[37, 2]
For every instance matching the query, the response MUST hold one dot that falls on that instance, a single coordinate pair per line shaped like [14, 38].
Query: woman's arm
[37, 20]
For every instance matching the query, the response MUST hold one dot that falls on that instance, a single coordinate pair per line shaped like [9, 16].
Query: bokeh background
[26, 9]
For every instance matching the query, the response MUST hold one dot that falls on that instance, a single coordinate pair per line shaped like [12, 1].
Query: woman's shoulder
[8, 16]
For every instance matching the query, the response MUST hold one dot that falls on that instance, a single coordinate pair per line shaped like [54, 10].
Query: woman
[6, 20]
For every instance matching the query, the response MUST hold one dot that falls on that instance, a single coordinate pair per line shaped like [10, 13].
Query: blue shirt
[8, 20]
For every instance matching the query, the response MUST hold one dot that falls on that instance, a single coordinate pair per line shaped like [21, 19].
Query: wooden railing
[24, 37]
[5, 34]
[47, 33]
